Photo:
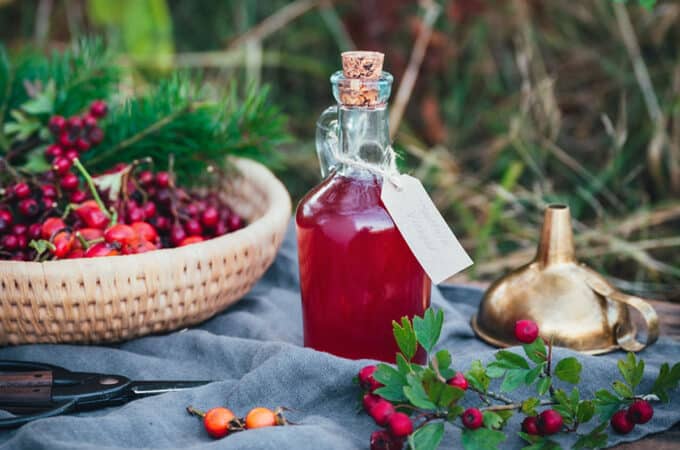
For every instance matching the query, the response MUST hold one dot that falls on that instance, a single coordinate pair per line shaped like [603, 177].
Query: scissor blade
[146, 388]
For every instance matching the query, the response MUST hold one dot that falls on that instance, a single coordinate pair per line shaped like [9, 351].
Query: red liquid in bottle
[357, 274]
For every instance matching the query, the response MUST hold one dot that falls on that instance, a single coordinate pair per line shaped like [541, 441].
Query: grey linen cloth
[254, 350]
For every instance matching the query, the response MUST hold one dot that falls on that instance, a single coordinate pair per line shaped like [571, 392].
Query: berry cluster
[639, 412]
[398, 425]
[220, 421]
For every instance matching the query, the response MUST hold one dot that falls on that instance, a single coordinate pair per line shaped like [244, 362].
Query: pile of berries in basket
[65, 212]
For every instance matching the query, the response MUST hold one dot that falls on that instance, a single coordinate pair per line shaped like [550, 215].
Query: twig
[275, 22]
[42, 22]
[335, 26]
[513, 406]
[408, 81]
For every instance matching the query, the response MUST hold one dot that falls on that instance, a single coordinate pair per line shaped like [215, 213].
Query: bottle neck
[365, 138]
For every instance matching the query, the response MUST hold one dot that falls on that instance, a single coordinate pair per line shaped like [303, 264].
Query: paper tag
[423, 228]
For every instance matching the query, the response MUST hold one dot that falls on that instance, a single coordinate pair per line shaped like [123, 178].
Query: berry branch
[414, 403]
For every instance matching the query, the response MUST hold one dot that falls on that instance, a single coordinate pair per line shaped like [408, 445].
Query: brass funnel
[571, 303]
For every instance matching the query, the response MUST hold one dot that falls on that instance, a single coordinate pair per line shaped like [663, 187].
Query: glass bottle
[357, 274]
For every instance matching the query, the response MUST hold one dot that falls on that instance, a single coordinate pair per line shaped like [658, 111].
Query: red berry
[22, 241]
[6, 220]
[48, 190]
[145, 231]
[162, 223]
[177, 235]
[216, 422]
[53, 151]
[61, 165]
[526, 331]
[640, 411]
[95, 136]
[19, 229]
[89, 121]
[210, 217]
[51, 226]
[369, 401]
[400, 425]
[620, 422]
[78, 196]
[34, 231]
[69, 182]
[136, 214]
[74, 124]
[193, 227]
[366, 379]
[82, 145]
[71, 154]
[90, 234]
[149, 209]
[29, 207]
[459, 381]
[530, 425]
[9, 242]
[381, 412]
[93, 217]
[235, 222]
[549, 422]
[145, 178]
[65, 139]
[162, 179]
[56, 124]
[382, 440]
[98, 108]
[63, 242]
[21, 190]
[190, 240]
[472, 418]
[121, 233]
[101, 249]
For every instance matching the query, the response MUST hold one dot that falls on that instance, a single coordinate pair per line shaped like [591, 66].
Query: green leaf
[544, 385]
[442, 361]
[569, 370]
[405, 337]
[533, 374]
[477, 376]
[42, 102]
[428, 437]
[36, 161]
[514, 378]
[597, 438]
[667, 380]
[495, 370]
[482, 438]
[428, 328]
[585, 411]
[393, 381]
[415, 393]
[449, 395]
[606, 404]
[403, 365]
[529, 406]
[492, 420]
[511, 360]
[41, 246]
[622, 389]
[536, 351]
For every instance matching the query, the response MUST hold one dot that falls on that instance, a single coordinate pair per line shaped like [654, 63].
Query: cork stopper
[362, 70]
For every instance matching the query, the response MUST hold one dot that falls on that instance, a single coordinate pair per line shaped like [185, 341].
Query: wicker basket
[121, 297]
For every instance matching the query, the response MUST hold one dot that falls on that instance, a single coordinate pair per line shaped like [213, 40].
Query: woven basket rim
[279, 201]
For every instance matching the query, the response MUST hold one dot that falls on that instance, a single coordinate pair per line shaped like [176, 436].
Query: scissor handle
[17, 421]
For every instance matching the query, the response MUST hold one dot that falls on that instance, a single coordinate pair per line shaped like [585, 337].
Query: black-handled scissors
[35, 390]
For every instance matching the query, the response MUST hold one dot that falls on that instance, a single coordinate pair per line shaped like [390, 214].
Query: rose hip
[472, 418]
[640, 411]
[526, 331]
[400, 425]
[620, 422]
[458, 381]
[381, 412]
[549, 422]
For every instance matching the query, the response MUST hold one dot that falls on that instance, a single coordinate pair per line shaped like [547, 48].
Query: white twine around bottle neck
[391, 173]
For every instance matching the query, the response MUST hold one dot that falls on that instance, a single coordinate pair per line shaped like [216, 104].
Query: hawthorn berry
[530, 425]
[9, 242]
[149, 209]
[61, 165]
[145, 178]
[526, 331]
[95, 136]
[400, 425]
[77, 196]
[74, 124]
[193, 227]
[145, 231]
[89, 121]
[48, 190]
[369, 400]
[29, 207]
[620, 422]
[53, 151]
[98, 109]
[640, 411]
[69, 182]
[459, 381]
[472, 418]
[65, 139]
[190, 240]
[34, 231]
[51, 226]
[136, 214]
[549, 422]
[216, 421]
[56, 124]
[382, 440]
[177, 235]
[210, 217]
[162, 179]
[381, 412]
[121, 233]
[6, 220]
[82, 145]
[21, 190]
[366, 379]
[19, 229]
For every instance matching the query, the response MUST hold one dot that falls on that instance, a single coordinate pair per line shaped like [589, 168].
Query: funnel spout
[557, 243]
